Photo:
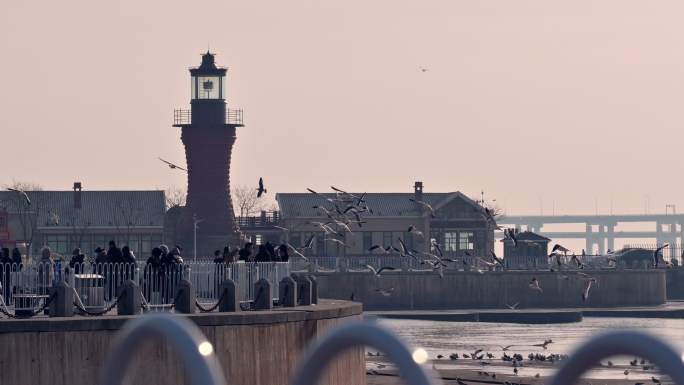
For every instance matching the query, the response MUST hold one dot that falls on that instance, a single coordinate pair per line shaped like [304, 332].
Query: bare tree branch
[174, 197]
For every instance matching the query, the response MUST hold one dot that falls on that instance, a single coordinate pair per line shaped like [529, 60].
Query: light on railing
[205, 348]
[420, 356]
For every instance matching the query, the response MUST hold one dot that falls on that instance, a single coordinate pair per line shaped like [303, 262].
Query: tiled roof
[382, 204]
[98, 208]
[528, 236]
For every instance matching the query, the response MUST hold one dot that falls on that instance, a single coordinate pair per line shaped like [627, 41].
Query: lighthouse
[208, 131]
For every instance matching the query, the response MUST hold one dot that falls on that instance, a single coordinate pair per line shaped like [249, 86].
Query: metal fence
[186, 339]
[26, 286]
[467, 263]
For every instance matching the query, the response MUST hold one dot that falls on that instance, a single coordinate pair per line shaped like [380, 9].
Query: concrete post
[185, 297]
[303, 290]
[263, 295]
[62, 304]
[130, 302]
[229, 301]
[287, 292]
[342, 265]
[314, 289]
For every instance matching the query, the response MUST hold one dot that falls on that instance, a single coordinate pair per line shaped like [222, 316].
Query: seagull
[425, 205]
[385, 250]
[379, 271]
[54, 218]
[497, 259]
[414, 230]
[423, 69]
[656, 253]
[585, 294]
[514, 306]
[655, 380]
[560, 248]
[385, 292]
[335, 240]
[534, 285]
[510, 234]
[544, 344]
[404, 250]
[261, 190]
[294, 249]
[172, 166]
[22, 193]
[579, 263]
[505, 348]
[435, 245]
[309, 242]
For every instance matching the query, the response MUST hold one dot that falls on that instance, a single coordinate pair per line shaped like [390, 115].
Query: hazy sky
[578, 102]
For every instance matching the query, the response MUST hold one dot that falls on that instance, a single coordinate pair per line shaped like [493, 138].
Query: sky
[559, 107]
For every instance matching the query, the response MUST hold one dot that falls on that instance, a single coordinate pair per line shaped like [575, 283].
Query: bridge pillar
[589, 247]
[611, 237]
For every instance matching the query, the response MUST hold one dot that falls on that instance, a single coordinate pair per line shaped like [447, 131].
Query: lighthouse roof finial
[208, 66]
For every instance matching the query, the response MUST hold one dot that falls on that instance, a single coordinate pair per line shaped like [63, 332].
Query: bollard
[62, 304]
[303, 290]
[185, 298]
[130, 300]
[263, 295]
[314, 289]
[229, 301]
[287, 290]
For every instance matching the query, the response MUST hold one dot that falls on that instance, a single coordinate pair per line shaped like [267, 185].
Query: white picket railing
[25, 285]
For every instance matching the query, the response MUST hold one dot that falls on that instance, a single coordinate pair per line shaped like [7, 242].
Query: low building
[531, 250]
[459, 224]
[64, 220]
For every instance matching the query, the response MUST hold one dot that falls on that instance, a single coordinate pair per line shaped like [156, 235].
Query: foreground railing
[198, 353]
[26, 286]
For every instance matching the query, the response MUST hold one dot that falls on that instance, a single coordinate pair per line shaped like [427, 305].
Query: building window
[258, 239]
[466, 240]
[450, 241]
[58, 244]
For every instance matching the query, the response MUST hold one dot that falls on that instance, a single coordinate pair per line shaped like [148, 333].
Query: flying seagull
[261, 190]
[585, 294]
[510, 234]
[380, 270]
[385, 292]
[173, 166]
[425, 205]
[656, 254]
[534, 285]
[22, 193]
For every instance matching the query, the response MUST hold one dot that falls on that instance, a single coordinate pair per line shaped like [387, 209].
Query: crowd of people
[249, 253]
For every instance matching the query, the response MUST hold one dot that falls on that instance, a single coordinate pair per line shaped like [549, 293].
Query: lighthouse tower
[208, 134]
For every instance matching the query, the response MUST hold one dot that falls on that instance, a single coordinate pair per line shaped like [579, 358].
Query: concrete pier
[415, 290]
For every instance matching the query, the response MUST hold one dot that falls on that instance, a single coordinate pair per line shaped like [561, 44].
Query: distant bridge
[600, 229]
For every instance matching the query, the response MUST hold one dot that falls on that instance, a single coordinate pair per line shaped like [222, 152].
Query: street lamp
[195, 221]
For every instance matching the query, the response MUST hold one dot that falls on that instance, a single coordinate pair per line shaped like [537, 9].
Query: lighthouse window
[208, 87]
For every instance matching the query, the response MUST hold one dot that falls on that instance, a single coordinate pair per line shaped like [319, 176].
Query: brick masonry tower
[208, 134]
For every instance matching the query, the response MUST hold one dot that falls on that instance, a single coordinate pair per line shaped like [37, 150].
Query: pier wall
[471, 290]
[254, 348]
[675, 284]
